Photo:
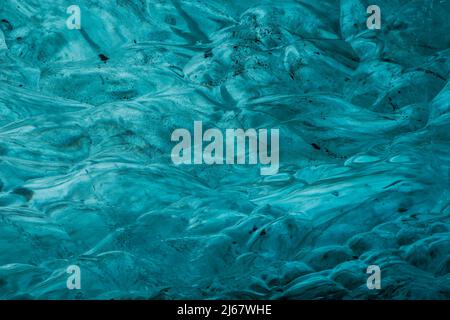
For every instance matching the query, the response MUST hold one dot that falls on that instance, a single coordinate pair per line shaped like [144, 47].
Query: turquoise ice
[86, 177]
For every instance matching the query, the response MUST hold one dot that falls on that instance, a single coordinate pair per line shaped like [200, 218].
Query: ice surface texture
[86, 177]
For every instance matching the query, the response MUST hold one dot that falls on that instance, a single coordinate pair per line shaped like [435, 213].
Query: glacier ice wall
[86, 177]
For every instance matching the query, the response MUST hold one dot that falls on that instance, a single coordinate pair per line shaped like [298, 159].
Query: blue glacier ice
[86, 176]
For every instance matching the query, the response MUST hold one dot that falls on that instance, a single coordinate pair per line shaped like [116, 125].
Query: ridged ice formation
[85, 171]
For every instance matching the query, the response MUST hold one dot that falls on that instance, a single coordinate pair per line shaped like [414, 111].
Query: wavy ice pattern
[85, 171]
